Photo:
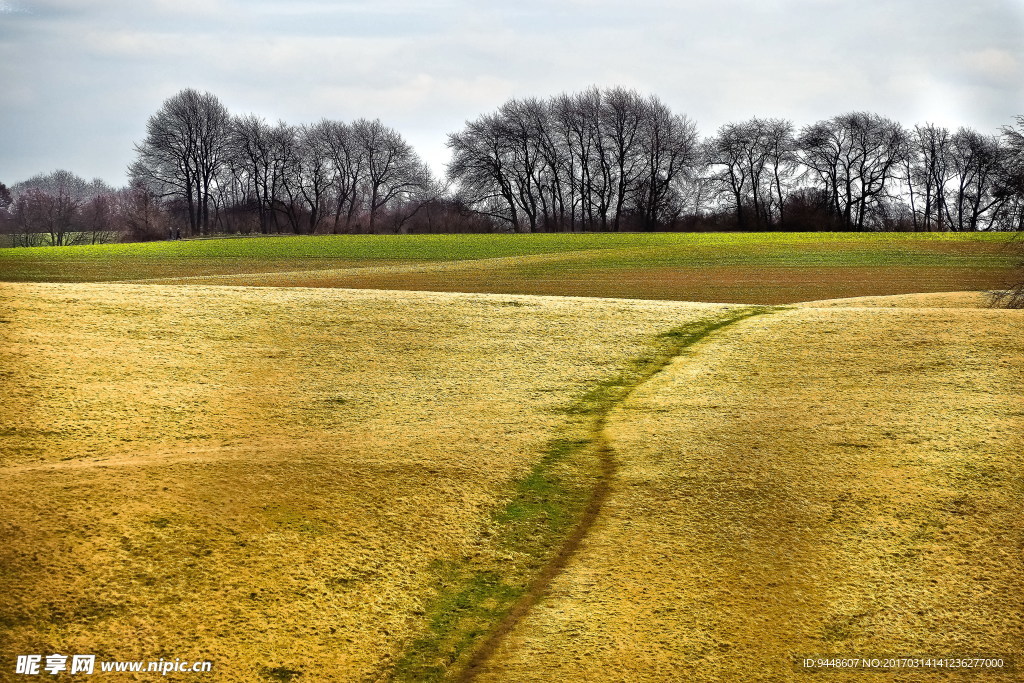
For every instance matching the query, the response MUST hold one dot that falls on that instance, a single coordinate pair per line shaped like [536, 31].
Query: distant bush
[1013, 296]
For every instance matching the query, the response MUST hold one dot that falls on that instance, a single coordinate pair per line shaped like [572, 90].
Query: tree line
[61, 209]
[241, 173]
[598, 160]
[613, 160]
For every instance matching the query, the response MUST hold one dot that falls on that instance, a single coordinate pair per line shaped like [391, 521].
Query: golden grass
[844, 480]
[920, 300]
[270, 478]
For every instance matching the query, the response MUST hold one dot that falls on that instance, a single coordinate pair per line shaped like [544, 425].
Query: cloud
[992, 64]
[81, 78]
[9, 8]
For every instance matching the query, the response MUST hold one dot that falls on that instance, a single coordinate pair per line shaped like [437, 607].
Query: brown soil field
[816, 481]
[141, 270]
[735, 284]
[271, 478]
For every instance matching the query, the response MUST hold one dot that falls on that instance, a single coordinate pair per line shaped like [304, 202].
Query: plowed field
[754, 268]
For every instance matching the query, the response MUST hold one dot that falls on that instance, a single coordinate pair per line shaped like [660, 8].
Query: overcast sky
[79, 79]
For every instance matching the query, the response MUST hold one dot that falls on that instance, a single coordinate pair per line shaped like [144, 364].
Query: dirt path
[674, 343]
[542, 582]
[840, 481]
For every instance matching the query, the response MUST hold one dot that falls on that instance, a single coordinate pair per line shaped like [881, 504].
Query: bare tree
[6, 225]
[256, 161]
[186, 143]
[856, 157]
[36, 214]
[670, 151]
[624, 115]
[98, 217]
[596, 160]
[52, 204]
[756, 161]
[783, 161]
[578, 121]
[977, 163]
[140, 214]
[36, 211]
[393, 171]
[338, 143]
[287, 199]
[1011, 189]
[1011, 182]
[305, 174]
[556, 186]
[481, 165]
[519, 122]
[509, 166]
[728, 151]
[927, 172]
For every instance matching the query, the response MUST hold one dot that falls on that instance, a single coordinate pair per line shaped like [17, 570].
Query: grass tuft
[281, 673]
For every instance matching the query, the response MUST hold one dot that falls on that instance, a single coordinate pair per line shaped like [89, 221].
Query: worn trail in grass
[542, 525]
[834, 481]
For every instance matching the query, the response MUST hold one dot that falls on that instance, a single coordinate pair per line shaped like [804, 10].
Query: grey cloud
[79, 79]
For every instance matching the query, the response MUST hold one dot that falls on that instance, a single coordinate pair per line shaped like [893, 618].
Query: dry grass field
[218, 453]
[845, 480]
[277, 480]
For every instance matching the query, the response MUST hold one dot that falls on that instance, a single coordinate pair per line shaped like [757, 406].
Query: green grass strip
[476, 595]
[114, 262]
